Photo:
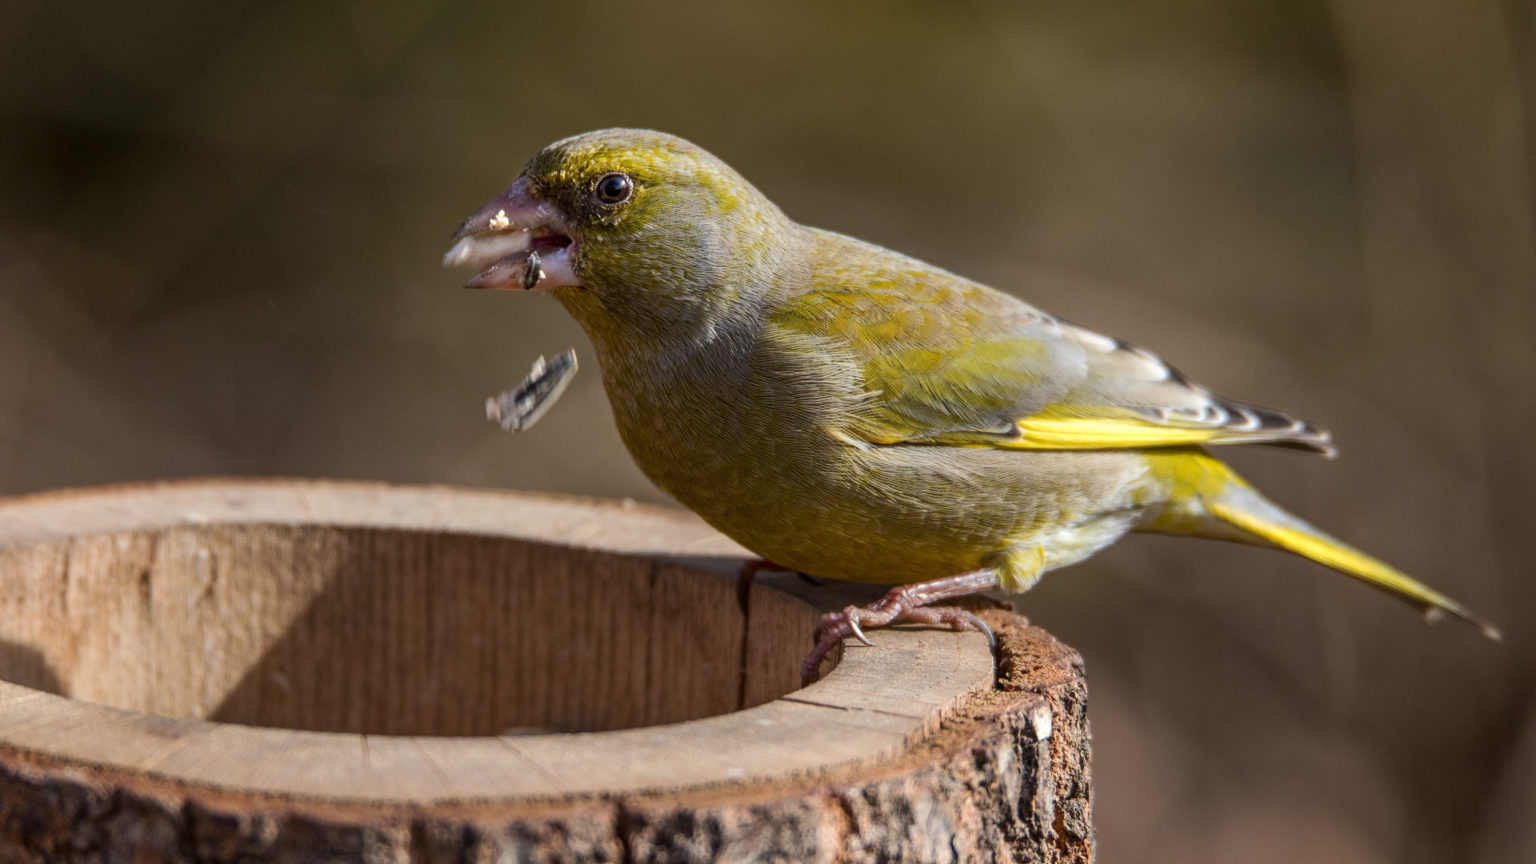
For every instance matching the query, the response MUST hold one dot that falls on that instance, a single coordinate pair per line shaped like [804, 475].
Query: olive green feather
[854, 413]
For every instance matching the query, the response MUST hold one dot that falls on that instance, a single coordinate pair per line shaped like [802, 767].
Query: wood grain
[294, 669]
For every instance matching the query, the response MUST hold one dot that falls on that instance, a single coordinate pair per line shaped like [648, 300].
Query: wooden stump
[238, 670]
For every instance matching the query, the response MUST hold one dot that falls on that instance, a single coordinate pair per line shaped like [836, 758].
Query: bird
[849, 412]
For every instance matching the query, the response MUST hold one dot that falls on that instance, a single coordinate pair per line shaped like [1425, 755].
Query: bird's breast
[750, 447]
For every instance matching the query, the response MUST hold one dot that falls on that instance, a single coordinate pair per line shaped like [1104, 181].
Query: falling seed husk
[522, 406]
[533, 271]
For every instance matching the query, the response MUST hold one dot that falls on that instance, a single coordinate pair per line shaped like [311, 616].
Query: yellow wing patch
[1100, 433]
[1049, 430]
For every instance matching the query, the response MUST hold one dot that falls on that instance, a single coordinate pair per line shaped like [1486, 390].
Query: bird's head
[643, 224]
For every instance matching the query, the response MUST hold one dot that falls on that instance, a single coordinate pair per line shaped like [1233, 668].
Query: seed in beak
[500, 222]
[533, 271]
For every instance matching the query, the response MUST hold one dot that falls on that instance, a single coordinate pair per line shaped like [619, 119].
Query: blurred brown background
[220, 225]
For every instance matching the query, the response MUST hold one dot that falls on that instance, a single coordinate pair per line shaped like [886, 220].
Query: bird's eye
[614, 189]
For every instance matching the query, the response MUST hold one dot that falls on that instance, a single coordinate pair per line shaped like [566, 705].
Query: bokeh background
[220, 225]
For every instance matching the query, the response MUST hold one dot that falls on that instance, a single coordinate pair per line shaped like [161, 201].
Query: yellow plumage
[1197, 477]
[1098, 433]
[853, 413]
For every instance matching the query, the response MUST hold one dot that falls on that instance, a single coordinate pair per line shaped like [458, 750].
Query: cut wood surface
[312, 670]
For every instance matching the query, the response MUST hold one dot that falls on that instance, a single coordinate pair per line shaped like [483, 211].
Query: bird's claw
[855, 630]
[976, 623]
[851, 621]
[829, 634]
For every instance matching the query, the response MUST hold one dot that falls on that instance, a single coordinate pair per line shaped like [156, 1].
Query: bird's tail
[1226, 507]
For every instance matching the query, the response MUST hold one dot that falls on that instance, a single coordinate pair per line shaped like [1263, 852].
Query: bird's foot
[901, 605]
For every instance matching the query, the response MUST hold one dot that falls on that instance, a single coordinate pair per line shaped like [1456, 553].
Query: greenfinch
[849, 412]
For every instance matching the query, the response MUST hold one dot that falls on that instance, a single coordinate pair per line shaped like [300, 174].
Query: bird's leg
[904, 603]
[749, 570]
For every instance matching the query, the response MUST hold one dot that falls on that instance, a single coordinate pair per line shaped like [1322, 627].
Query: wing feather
[942, 360]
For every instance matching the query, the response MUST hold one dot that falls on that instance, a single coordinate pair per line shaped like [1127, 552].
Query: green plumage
[853, 413]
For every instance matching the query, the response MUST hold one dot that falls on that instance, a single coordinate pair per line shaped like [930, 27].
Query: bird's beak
[514, 241]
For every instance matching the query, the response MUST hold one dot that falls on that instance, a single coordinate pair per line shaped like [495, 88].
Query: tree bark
[262, 671]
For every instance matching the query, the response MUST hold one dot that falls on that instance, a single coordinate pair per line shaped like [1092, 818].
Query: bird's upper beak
[514, 241]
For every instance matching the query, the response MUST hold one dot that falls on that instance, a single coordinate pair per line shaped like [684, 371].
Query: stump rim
[869, 708]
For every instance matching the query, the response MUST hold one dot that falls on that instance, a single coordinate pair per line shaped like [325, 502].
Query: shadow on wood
[25, 665]
[315, 670]
[442, 634]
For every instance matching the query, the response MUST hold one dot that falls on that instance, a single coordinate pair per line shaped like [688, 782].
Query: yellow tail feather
[1296, 536]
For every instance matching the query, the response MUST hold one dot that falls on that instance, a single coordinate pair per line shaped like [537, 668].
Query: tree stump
[308, 671]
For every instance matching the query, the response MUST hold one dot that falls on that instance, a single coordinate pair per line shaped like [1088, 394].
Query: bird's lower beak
[514, 241]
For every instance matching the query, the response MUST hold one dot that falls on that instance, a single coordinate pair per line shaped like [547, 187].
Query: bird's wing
[940, 360]
[1129, 397]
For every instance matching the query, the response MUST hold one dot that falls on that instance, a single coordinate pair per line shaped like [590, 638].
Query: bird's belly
[899, 514]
